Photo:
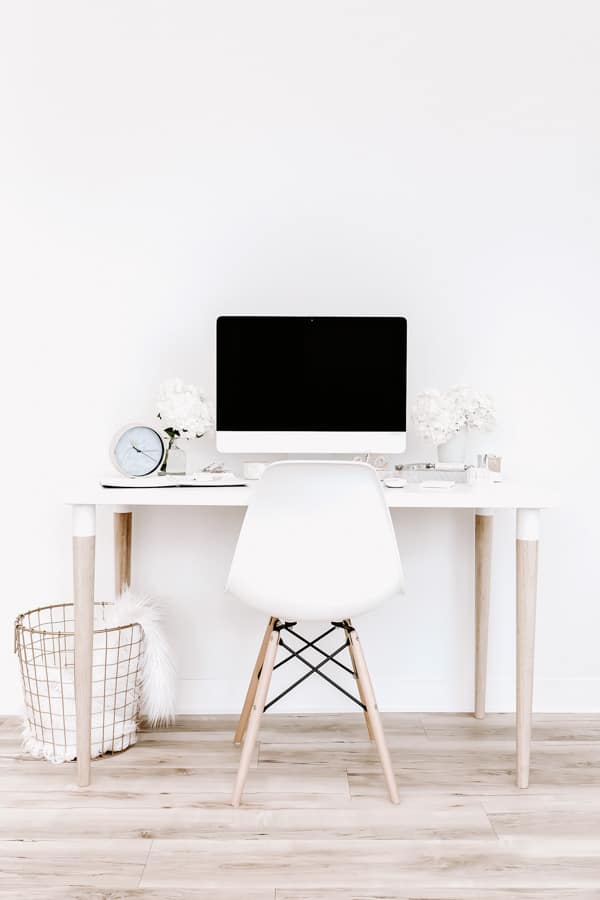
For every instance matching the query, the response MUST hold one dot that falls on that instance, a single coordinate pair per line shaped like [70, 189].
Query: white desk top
[508, 495]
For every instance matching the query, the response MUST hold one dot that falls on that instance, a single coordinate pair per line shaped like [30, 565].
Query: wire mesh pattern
[45, 645]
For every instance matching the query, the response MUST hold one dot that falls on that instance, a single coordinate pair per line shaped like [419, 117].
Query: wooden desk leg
[528, 532]
[484, 527]
[84, 552]
[123, 523]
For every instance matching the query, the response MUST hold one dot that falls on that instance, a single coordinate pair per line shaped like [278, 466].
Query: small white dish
[395, 482]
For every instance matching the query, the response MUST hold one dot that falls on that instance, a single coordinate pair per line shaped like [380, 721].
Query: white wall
[164, 162]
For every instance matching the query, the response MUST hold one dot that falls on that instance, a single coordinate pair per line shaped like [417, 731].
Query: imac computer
[299, 384]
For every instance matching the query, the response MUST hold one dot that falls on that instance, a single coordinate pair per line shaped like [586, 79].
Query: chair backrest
[317, 543]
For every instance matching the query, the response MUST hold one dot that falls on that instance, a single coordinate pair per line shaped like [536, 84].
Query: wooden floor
[316, 823]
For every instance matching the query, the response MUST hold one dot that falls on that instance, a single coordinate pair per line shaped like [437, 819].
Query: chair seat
[323, 606]
[317, 543]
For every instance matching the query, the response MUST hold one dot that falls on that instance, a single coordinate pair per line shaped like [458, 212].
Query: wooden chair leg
[251, 692]
[360, 688]
[374, 717]
[256, 713]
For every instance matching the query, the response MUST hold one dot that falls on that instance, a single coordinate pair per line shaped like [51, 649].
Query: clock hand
[153, 458]
[137, 449]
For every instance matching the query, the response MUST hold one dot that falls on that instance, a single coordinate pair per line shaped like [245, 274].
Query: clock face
[138, 450]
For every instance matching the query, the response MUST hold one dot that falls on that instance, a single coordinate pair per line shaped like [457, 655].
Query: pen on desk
[432, 467]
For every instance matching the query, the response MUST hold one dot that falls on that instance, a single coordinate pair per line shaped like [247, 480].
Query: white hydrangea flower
[184, 409]
[438, 415]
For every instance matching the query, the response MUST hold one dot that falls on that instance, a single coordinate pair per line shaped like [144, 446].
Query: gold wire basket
[45, 645]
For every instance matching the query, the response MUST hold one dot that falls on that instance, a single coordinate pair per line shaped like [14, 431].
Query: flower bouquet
[185, 412]
[443, 416]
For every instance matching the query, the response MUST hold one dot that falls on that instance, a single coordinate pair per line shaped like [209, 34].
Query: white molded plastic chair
[317, 544]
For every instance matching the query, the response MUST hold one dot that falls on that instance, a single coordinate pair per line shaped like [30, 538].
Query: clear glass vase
[174, 461]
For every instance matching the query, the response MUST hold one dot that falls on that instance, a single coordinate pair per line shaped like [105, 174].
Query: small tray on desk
[202, 479]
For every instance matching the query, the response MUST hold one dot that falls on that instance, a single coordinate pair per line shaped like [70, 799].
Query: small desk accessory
[137, 451]
[479, 475]
[395, 482]
[415, 472]
[197, 480]
[254, 469]
[493, 464]
[214, 479]
[431, 467]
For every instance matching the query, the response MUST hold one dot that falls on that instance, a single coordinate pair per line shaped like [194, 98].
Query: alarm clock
[137, 450]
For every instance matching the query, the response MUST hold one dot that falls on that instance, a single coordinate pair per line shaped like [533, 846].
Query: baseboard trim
[576, 695]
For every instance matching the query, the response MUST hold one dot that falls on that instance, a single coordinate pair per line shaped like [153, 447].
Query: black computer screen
[294, 373]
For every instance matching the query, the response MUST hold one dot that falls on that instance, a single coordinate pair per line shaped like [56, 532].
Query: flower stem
[173, 435]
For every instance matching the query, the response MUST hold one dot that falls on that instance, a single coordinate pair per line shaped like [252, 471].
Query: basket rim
[20, 626]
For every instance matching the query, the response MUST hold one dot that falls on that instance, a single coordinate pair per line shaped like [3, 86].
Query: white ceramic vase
[455, 449]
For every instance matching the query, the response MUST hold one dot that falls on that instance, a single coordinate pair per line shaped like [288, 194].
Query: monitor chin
[321, 442]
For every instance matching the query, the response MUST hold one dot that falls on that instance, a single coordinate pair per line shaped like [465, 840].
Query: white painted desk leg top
[484, 527]
[123, 524]
[84, 552]
[528, 533]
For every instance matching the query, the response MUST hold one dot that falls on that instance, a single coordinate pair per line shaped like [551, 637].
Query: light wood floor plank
[201, 755]
[289, 728]
[554, 727]
[93, 893]
[374, 864]
[12, 724]
[573, 816]
[48, 864]
[443, 821]
[286, 729]
[443, 765]
[75, 799]
[437, 894]
[311, 779]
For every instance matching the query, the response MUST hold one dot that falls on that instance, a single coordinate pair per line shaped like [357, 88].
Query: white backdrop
[164, 162]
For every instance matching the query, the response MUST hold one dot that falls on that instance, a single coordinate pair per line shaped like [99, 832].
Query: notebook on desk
[199, 479]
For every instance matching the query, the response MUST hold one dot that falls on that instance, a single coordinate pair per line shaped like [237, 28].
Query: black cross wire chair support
[314, 670]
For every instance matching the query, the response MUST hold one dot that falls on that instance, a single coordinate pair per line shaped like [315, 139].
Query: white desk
[527, 500]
